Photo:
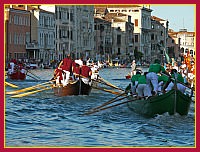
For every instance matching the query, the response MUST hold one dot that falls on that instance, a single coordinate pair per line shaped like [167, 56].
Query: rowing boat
[77, 87]
[17, 75]
[172, 102]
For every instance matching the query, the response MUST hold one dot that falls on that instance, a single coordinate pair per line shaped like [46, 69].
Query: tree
[138, 55]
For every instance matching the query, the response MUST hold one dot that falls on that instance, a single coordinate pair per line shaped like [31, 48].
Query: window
[152, 36]
[136, 22]
[136, 38]
[161, 33]
[118, 39]
[118, 53]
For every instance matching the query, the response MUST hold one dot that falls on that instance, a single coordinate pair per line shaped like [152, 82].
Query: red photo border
[2, 111]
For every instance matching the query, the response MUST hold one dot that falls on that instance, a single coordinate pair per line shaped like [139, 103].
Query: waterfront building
[116, 31]
[102, 39]
[74, 31]
[17, 31]
[186, 42]
[42, 43]
[141, 17]
[159, 38]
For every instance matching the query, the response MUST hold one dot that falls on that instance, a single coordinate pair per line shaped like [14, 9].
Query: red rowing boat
[17, 75]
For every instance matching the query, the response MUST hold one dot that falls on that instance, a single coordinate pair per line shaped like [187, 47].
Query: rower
[134, 83]
[76, 71]
[95, 71]
[142, 89]
[180, 82]
[58, 76]
[152, 77]
[85, 73]
[67, 69]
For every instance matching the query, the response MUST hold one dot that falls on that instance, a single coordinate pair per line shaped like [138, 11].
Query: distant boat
[17, 75]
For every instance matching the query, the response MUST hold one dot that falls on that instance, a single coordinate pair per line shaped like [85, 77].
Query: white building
[42, 35]
[141, 17]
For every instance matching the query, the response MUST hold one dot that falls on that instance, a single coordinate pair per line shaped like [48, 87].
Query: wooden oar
[32, 77]
[110, 101]
[91, 112]
[106, 90]
[33, 74]
[109, 84]
[29, 93]
[11, 85]
[99, 81]
[29, 88]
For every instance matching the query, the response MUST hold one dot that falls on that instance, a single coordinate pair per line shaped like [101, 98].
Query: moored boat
[17, 75]
[172, 102]
[73, 88]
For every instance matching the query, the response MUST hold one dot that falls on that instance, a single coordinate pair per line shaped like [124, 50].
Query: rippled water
[45, 120]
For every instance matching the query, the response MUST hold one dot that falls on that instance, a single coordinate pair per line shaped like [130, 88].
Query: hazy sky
[179, 16]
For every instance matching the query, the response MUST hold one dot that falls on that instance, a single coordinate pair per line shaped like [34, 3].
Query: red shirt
[85, 71]
[67, 64]
[58, 72]
[76, 69]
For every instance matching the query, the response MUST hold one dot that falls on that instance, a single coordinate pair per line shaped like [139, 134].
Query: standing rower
[67, 69]
[152, 77]
[86, 73]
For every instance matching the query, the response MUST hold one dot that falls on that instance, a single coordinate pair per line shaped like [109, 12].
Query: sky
[179, 16]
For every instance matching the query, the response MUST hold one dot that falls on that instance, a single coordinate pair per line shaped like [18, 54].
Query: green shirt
[135, 78]
[142, 79]
[163, 78]
[156, 68]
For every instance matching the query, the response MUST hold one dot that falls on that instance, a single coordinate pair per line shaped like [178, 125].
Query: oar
[110, 101]
[11, 85]
[33, 74]
[29, 93]
[109, 84]
[29, 88]
[106, 90]
[91, 112]
[99, 81]
[32, 77]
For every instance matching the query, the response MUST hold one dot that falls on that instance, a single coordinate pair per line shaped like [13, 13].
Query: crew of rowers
[69, 69]
[14, 66]
[157, 80]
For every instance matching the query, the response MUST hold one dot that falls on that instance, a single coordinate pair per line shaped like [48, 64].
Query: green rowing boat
[172, 102]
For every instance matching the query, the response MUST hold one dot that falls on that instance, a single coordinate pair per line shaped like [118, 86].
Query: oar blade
[11, 85]
[28, 93]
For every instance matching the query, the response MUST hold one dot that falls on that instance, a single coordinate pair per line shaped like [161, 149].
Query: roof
[115, 17]
[157, 18]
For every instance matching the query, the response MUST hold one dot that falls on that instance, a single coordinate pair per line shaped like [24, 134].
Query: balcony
[32, 46]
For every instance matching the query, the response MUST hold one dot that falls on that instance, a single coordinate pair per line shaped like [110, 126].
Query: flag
[168, 59]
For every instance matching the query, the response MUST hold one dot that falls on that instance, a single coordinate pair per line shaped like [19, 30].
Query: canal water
[45, 120]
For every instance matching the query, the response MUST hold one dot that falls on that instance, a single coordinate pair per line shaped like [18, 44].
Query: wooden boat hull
[171, 102]
[75, 88]
[17, 76]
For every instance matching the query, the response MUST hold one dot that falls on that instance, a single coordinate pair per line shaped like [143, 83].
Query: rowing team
[154, 81]
[14, 66]
[69, 69]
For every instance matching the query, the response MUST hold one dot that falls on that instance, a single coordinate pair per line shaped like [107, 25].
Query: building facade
[42, 43]
[141, 18]
[17, 32]
[74, 31]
